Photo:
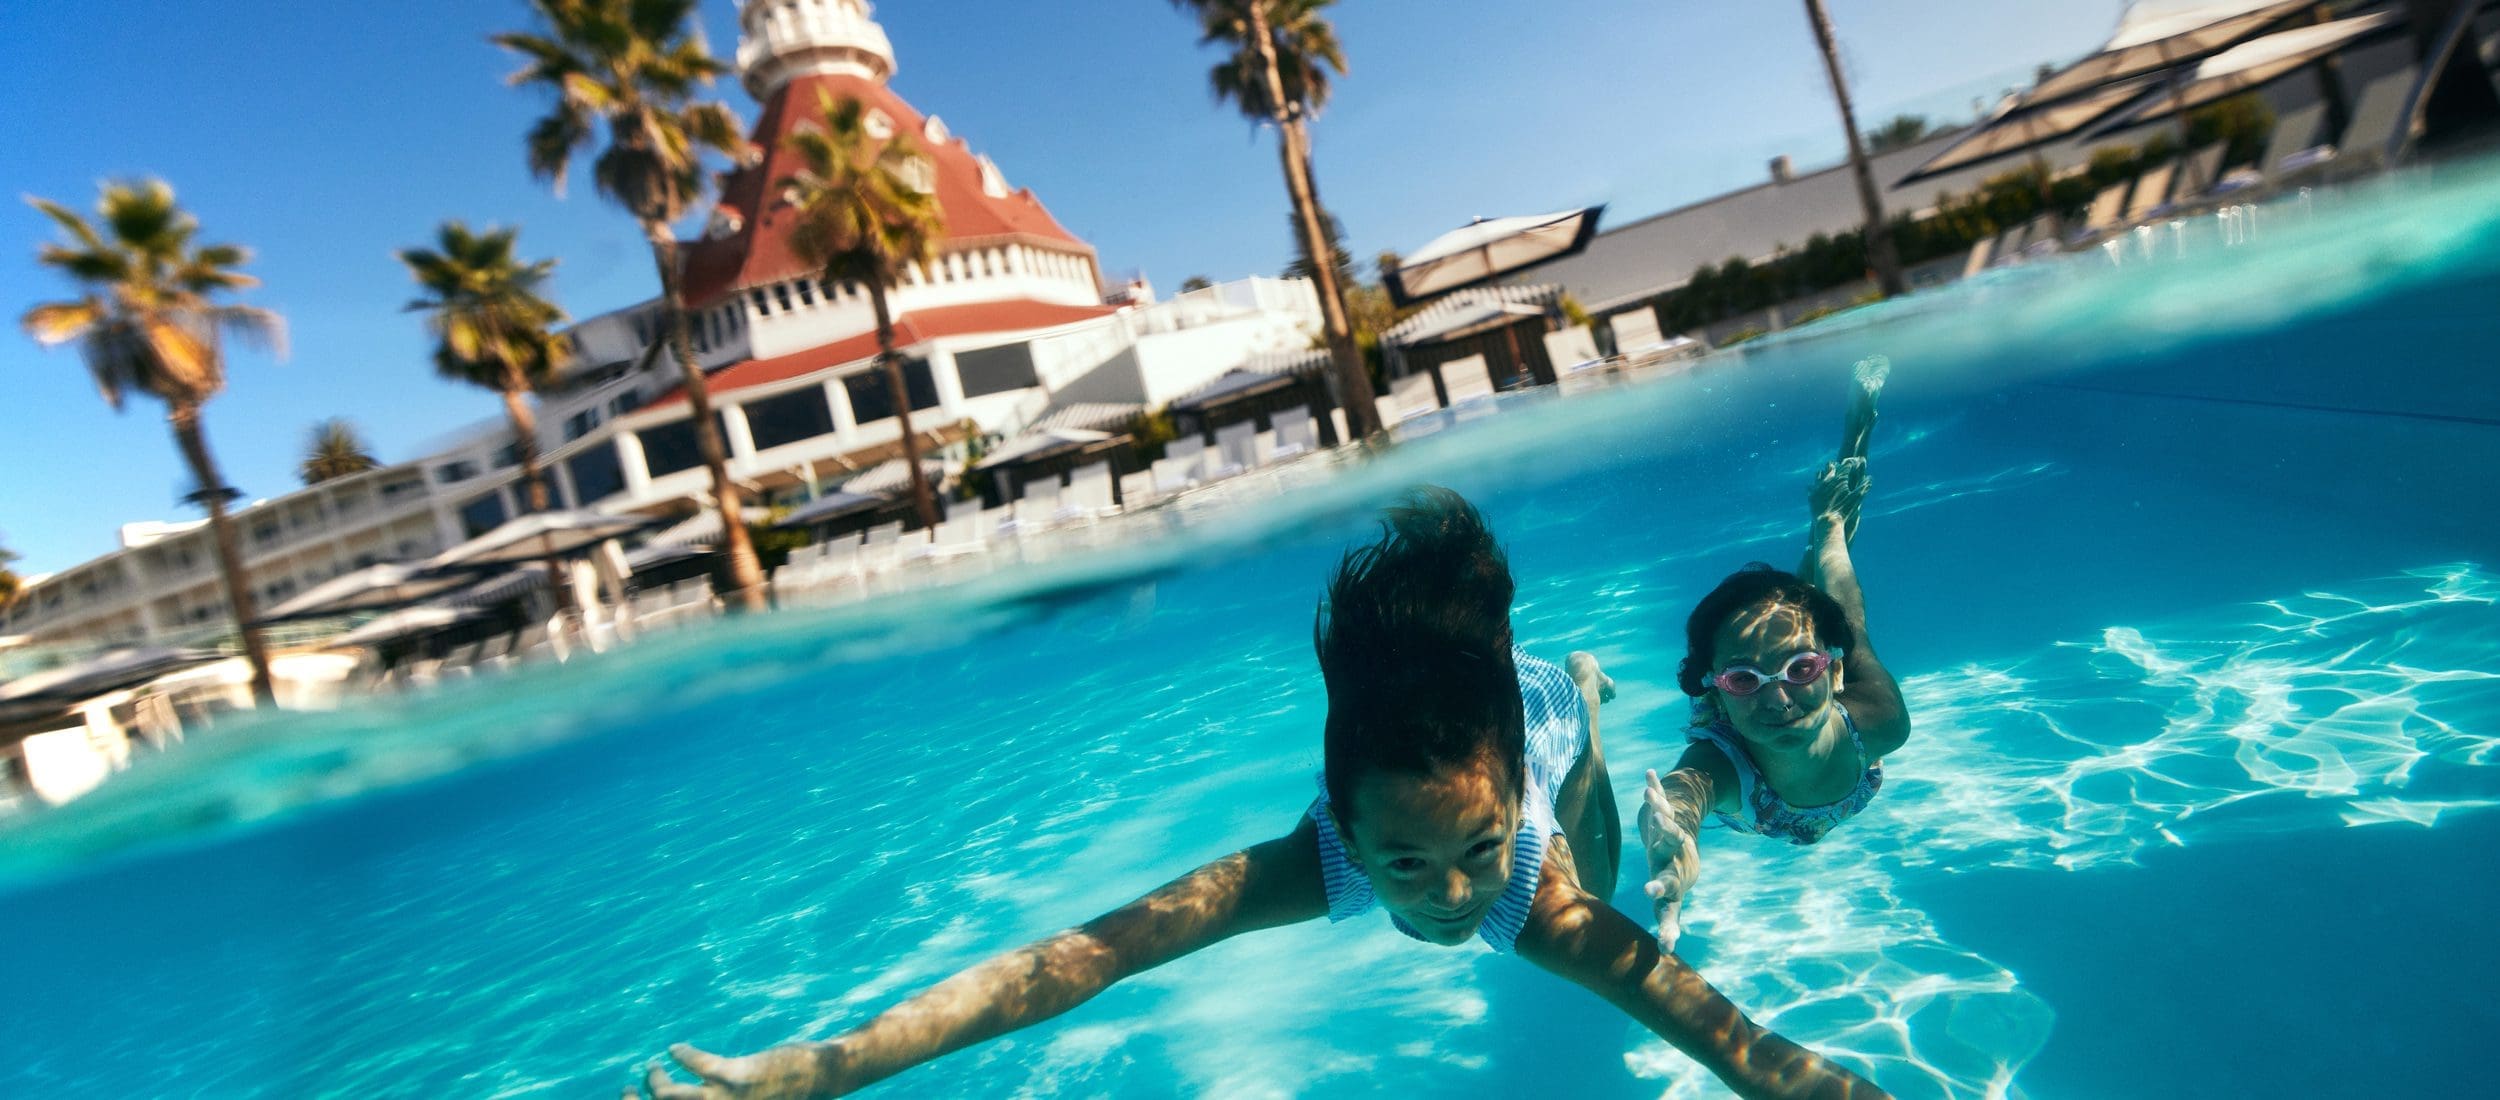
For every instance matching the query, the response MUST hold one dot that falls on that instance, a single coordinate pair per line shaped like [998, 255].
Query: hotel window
[831, 289]
[701, 343]
[670, 448]
[579, 424]
[624, 401]
[807, 292]
[869, 399]
[789, 418]
[642, 330]
[450, 473]
[996, 370]
[781, 296]
[482, 515]
[597, 474]
[761, 306]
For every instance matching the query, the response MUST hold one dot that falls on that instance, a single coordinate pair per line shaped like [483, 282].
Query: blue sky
[325, 135]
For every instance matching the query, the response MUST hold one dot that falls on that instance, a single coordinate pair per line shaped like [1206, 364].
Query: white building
[1008, 323]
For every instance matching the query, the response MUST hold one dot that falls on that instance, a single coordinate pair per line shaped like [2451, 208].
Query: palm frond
[253, 327]
[551, 143]
[77, 226]
[54, 323]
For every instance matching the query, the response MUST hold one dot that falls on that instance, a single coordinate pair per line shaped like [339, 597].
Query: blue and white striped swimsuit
[1557, 733]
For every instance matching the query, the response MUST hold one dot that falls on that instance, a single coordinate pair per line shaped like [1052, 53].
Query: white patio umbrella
[1490, 248]
[112, 670]
[2253, 64]
[2132, 65]
[405, 623]
[1039, 443]
[832, 506]
[542, 535]
[2015, 128]
[2151, 40]
[373, 588]
[891, 476]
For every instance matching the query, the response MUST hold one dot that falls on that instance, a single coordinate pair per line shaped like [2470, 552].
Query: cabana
[1505, 325]
[1059, 444]
[840, 512]
[1242, 396]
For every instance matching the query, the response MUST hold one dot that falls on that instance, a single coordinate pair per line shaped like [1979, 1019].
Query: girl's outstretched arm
[1263, 886]
[1585, 940]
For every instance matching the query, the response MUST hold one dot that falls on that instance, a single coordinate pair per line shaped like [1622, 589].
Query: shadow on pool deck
[2340, 962]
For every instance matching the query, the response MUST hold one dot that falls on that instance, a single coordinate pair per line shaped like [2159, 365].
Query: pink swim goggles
[1800, 670]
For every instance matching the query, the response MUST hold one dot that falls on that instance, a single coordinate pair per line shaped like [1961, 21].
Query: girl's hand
[787, 1072]
[1674, 860]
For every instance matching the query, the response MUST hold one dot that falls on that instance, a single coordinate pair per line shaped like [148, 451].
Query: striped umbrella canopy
[2136, 63]
[2015, 128]
[1488, 249]
[2251, 65]
[373, 588]
[2152, 40]
[405, 624]
[542, 535]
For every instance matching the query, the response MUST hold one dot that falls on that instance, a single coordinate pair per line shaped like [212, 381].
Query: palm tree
[861, 221]
[335, 450]
[149, 320]
[10, 583]
[1879, 250]
[491, 328]
[634, 66]
[1278, 74]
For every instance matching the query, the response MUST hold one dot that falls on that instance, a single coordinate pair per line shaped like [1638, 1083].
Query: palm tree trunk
[746, 575]
[1292, 146]
[185, 419]
[1879, 250]
[921, 500]
[525, 441]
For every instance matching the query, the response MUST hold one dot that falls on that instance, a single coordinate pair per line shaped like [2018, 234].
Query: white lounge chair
[1039, 498]
[1295, 431]
[1236, 450]
[1172, 475]
[1468, 379]
[1136, 489]
[2152, 191]
[1411, 397]
[1572, 349]
[1088, 494]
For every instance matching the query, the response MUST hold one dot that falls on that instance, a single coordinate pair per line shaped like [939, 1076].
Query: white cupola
[780, 40]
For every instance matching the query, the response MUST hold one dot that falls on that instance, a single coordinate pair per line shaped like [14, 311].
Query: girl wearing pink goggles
[1788, 738]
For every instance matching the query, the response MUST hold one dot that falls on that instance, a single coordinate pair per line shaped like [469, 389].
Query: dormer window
[934, 130]
[993, 182]
[725, 222]
[879, 124]
[918, 174]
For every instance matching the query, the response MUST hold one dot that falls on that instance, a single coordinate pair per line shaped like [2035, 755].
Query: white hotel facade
[1009, 324]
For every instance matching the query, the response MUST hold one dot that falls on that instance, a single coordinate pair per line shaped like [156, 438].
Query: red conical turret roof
[758, 252]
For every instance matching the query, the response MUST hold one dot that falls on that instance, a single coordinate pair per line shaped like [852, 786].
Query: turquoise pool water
[2188, 567]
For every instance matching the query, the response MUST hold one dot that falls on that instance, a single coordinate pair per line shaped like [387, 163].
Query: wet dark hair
[1414, 642]
[1752, 586]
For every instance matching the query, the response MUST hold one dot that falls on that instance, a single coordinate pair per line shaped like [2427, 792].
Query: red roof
[909, 329]
[759, 252]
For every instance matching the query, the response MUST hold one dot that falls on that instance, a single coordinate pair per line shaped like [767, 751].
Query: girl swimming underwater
[1793, 713]
[1460, 791]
